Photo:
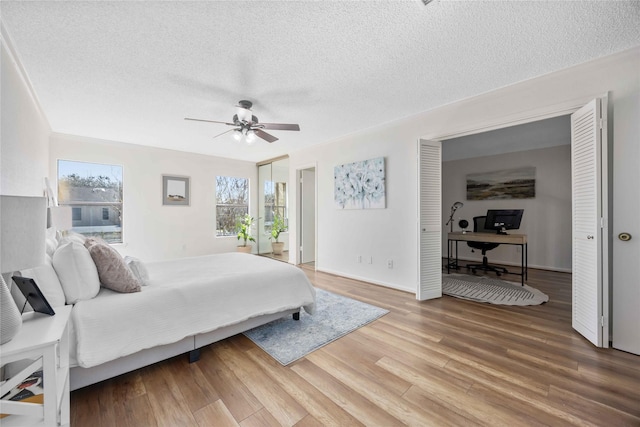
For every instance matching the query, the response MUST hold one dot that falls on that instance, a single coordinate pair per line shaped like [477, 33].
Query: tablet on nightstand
[34, 295]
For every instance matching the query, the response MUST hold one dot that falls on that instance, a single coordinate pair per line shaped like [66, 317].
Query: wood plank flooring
[446, 362]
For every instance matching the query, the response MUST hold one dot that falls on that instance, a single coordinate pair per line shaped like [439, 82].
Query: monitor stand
[502, 231]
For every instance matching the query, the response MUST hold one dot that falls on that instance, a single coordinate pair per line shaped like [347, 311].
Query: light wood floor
[441, 362]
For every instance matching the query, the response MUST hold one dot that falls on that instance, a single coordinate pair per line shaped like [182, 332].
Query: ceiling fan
[247, 125]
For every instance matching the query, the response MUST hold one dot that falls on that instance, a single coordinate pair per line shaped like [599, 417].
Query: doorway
[542, 148]
[591, 288]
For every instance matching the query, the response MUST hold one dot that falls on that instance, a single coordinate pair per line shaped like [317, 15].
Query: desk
[503, 239]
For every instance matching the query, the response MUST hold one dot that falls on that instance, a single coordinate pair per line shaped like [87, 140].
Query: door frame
[528, 116]
[298, 243]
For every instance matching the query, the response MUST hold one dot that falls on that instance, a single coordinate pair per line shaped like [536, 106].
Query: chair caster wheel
[498, 274]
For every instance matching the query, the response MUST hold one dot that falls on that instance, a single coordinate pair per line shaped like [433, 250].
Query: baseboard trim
[366, 280]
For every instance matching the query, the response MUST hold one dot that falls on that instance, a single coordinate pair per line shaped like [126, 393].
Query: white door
[430, 226]
[308, 217]
[590, 283]
[625, 315]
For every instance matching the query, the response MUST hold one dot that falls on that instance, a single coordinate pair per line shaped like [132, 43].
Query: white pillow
[138, 269]
[47, 280]
[76, 271]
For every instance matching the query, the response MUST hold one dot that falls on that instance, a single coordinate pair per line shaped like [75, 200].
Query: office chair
[478, 226]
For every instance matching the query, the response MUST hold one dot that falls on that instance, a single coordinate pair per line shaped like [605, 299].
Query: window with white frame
[232, 203]
[94, 192]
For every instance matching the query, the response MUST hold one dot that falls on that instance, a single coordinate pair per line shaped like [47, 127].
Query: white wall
[547, 217]
[392, 233]
[152, 231]
[377, 234]
[24, 134]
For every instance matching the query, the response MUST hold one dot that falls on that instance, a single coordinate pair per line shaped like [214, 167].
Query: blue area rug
[287, 340]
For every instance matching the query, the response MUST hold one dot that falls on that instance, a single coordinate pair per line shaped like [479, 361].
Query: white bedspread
[186, 297]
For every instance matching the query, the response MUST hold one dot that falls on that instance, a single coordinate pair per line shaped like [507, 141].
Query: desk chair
[478, 227]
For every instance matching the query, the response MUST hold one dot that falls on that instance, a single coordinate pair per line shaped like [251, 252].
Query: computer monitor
[502, 220]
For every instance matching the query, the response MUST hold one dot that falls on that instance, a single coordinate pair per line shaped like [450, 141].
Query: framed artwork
[176, 190]
[360, 185]
[504, 184]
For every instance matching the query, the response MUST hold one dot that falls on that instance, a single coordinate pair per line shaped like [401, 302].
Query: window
[76, 214]
[232, 202]
[94, 191]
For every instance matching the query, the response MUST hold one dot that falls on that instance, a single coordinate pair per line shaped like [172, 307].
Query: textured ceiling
[131, 71]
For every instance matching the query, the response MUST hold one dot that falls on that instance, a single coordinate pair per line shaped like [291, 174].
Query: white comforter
[185, 297]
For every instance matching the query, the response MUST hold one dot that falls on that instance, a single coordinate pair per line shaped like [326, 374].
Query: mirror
[273, 210]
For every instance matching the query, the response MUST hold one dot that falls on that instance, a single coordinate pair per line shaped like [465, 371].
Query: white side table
[45, 340]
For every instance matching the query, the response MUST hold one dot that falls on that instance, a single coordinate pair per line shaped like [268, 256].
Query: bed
[176, 307]
[187, 304]
[123, 319]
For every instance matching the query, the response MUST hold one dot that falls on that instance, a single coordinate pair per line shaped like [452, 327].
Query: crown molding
[7, 41]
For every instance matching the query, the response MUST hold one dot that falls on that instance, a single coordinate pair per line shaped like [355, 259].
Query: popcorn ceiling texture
[131, 71]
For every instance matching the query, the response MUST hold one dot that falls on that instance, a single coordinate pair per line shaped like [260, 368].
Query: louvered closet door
[588, 161]
[430, 205]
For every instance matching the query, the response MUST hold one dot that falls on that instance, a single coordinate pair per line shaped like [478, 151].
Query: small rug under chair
[288, 340]
[488, 289]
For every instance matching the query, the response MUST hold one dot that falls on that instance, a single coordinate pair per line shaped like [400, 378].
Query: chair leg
[485, 266]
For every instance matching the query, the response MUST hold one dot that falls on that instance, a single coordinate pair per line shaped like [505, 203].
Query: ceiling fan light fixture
[251, 136]
[237, 134]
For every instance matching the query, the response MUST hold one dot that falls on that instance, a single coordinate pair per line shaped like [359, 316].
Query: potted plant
[243, 227]
[277, 227]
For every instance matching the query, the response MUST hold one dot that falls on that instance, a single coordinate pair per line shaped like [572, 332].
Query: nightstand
[44, 340]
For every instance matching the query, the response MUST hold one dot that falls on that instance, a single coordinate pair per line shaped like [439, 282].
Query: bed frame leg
[194, 355]
[296, 316]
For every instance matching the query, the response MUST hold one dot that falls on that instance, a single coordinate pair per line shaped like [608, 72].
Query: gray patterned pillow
[112, 270]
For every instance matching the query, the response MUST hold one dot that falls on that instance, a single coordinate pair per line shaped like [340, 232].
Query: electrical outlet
[518, 249]
[389, 263]
[370, 260]
[359, 258]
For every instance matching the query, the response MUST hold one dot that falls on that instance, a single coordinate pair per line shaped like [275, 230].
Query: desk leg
[457, 264]
[524, 263]
[448, 255]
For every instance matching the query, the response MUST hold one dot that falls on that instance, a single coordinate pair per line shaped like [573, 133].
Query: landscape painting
[505, 184]
[360, 185]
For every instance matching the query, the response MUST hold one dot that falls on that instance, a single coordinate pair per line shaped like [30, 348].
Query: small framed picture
[175, 190]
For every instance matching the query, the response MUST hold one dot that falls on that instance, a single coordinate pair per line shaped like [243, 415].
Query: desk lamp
[22, 245]
[454, 208]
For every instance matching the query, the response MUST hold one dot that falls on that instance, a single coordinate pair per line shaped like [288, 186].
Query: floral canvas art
[360, 185]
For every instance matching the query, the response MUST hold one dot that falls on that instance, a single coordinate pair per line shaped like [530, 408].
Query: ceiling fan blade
[220, 134]
[279, 126]
[267, 137]
[209, 121]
